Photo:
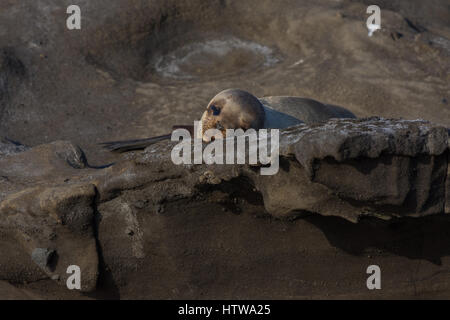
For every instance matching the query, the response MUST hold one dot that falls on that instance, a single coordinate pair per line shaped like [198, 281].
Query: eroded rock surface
[59, 211]
[47, 215]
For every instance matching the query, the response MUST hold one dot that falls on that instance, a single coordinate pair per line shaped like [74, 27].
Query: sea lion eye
[215, 110]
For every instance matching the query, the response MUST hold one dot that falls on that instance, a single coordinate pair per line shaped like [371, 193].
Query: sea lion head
[232, 109]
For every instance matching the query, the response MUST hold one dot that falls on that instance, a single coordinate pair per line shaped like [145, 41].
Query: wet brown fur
[238, 110]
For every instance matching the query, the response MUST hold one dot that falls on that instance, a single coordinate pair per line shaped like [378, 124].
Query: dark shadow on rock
[414, 26]
[106, 289]
[16, 143]
[415, 238]
[237, 189]
[12, 72]
[285, 165]
[102, 166]
[53, 261]
[82, 162]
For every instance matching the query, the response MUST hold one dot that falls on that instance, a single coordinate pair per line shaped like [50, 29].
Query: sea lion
[235, 108]
[239, 109]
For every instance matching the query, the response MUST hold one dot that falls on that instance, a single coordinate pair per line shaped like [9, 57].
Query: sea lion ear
[215, 110]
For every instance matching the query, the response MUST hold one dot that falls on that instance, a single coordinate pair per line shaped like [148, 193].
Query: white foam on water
[169, 65]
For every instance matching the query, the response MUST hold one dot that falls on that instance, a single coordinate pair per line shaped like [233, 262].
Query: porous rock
[47, 217]
[344, 167]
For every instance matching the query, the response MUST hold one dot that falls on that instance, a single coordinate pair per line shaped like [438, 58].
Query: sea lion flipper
[129, 145]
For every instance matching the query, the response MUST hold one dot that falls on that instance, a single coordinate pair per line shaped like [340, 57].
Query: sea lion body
[307, 110]
[238, 109]
[275, 119]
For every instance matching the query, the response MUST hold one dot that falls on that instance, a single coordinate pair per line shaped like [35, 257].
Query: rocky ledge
[57, 210]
